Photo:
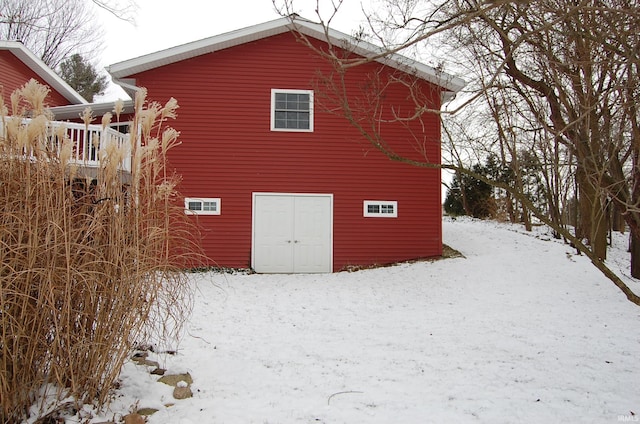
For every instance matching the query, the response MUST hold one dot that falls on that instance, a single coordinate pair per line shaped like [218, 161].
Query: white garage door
[292, 233]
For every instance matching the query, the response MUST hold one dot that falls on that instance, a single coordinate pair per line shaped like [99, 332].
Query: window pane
[281, 100]
[210, 206]
[386, 209]
[195, 206]
[303, 102]
[292, 118]
[280, 119]
[373, 208]
[298, 102]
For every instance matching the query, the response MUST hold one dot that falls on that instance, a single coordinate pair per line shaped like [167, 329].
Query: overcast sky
[162, 24]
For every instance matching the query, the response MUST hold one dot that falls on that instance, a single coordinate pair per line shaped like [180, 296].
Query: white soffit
[196, 48]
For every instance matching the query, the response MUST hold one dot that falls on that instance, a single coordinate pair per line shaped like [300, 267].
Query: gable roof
[121, 70]
[41, 69]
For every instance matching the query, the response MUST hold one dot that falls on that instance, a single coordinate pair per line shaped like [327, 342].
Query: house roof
[121, 70]
[52, 79]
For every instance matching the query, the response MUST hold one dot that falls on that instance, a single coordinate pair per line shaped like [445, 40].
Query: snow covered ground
[520, 330]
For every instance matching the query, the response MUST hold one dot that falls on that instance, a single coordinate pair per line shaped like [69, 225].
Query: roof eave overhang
[71, 112]
[52, 79]
[435, 76]
[121, 70]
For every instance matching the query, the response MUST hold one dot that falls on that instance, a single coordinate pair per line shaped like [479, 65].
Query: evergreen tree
[471, 196]
[453, 203]
[82, 77]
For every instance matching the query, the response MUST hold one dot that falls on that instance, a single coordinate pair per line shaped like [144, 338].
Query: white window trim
[381, 203]
[273, 109]
[187, 200]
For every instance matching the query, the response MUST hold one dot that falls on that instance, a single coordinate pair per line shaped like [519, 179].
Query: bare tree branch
[557, 80]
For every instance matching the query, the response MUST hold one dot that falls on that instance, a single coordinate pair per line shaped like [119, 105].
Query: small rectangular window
[292, 110]
[202, 206]
[121, 127]
[381, 208]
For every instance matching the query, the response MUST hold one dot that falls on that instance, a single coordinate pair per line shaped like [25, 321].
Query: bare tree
[568, 63]
[558, 78]
[124, 9]
[56, 29]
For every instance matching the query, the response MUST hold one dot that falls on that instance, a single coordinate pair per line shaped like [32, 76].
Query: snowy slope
[520, 330]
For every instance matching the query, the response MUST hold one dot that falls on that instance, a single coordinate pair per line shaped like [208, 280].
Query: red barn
[276, 182]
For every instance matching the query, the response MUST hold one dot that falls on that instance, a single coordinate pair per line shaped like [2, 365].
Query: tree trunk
[526, 218]
[592, 219]
[617, 220]
[599, 228]
[635, 256]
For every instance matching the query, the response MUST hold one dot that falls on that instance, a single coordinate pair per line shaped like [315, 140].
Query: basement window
[292, 110]
[202, 205]
[381, 208]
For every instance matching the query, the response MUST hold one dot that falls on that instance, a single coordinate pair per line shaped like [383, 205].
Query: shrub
[87, 267]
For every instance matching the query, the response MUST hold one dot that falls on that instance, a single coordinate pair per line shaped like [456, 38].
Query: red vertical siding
[14, 74]
[228, 151]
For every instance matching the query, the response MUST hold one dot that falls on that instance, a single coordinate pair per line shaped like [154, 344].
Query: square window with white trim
[202, 205]
[381, 208]
[291, 110]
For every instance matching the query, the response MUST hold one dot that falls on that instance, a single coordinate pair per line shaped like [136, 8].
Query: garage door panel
[311, 258]
[292, 233]
[274, 259]
[273, 234]
[312, 234]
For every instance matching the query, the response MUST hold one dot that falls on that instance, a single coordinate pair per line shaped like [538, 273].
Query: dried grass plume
[90, 265]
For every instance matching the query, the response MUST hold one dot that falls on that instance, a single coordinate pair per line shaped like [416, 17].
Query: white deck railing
[87, 141]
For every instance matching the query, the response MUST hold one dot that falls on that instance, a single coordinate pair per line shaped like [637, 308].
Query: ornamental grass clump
[89, 264]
